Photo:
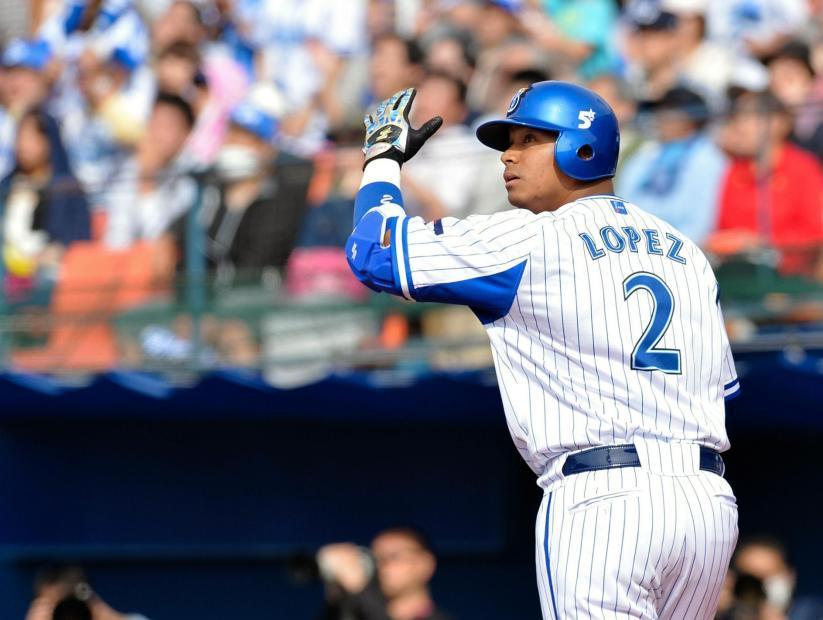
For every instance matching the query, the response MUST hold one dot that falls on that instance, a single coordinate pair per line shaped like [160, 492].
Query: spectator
[746, 600]
[260, 207]
[199, 70]
[618, 95]
[181, 22]
[24, 85]
[179, 71]
[452, 54]
[772, 193]
[755, 27]
[64, 593]
[102, 129]
[651, 49]
[578, 32]
[678, 174]
[405, 565]
[43, 206]
[107, 25]
[440, 180]
[228, 34]
[155, 188]
[767, 560]
[112, 29]
[519, 79]
[503, 50]
[431, 20]
[305, 46]
[396, 63]
[812, 34]
[498, 24]
[25, 82]
[793, 83]
[704, 65]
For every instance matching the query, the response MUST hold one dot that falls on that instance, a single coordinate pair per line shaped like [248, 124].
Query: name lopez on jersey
[617, 240]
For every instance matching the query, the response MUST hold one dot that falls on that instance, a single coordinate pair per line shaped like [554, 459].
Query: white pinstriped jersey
[604, 321]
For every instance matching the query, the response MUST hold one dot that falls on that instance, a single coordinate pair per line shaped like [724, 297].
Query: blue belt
[607, 457]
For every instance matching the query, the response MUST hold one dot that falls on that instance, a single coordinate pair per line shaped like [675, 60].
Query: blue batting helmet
[588, 139]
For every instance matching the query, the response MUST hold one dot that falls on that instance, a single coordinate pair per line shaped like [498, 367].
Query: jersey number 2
[645, 356]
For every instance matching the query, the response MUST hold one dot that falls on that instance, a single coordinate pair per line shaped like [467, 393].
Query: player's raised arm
[476, 262]
[390, 141]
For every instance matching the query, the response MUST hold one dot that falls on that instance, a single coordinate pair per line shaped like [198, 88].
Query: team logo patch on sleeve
[619, 207]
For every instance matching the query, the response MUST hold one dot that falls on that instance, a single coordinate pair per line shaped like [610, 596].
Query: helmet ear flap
[573, 151]
[578, 155]
[585, 152]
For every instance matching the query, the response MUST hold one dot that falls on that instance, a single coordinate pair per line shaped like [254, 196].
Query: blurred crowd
[144, 139]
[391, 580]
[64, 593]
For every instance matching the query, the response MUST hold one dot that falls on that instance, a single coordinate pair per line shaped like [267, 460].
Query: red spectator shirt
[793, 203]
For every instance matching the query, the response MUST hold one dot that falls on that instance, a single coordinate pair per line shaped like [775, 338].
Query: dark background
[180, 510]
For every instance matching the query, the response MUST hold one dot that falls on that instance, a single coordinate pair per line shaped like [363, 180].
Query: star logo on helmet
[586, 117]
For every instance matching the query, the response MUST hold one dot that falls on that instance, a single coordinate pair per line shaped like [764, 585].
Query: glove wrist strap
[390, 153]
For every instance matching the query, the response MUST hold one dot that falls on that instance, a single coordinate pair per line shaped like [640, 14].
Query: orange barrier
[95, 284]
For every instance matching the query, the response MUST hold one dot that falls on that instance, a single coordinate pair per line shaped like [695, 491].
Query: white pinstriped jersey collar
[566, 207]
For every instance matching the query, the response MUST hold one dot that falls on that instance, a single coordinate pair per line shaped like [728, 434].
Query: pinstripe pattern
[563, 351]
[626, 543]
[649, 542]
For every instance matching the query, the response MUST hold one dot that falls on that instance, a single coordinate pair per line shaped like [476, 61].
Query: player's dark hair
[180, 104]
[459, 85]
[411, 533]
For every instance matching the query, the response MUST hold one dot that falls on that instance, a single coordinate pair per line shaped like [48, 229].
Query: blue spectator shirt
[591, 22]
[678, 182]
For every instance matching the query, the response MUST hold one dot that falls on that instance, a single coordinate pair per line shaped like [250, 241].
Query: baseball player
[609, 346]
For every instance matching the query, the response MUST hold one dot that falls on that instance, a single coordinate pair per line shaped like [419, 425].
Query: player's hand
[389, 133]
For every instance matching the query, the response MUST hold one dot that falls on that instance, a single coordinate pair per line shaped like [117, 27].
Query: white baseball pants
[633, 543]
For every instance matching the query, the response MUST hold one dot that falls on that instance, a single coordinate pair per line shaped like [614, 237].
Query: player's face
[532, 180]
